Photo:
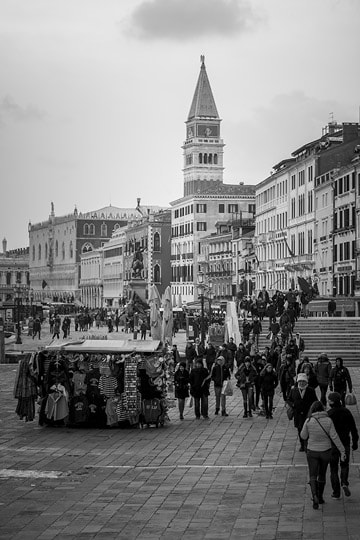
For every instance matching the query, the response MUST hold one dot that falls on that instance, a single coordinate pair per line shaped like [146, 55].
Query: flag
[44, 284]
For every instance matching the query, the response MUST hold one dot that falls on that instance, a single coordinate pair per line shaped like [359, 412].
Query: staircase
[335, 336]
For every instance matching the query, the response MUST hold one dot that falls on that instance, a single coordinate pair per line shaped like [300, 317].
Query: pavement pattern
[222, 478]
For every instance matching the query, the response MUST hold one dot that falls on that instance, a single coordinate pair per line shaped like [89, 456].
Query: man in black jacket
[199, 388]
[345, 425]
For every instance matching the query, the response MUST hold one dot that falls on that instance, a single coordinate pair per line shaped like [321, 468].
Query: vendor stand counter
[106, 346]
[96, 383]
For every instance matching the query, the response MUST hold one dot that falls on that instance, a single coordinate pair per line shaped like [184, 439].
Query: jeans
[201, 405]
[248, 397]
[219, 399]
[318, 463]
[268, 402]
[334, 470]
[323, 390]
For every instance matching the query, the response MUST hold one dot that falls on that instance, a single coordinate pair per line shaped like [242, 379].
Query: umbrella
[155, 317]
[167, 322]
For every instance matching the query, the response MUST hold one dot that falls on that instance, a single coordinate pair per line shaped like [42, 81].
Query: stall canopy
[106, 346]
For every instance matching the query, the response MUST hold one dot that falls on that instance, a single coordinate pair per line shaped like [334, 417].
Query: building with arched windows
[57, 244]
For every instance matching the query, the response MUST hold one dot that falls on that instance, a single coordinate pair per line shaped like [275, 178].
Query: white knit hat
[302, 377]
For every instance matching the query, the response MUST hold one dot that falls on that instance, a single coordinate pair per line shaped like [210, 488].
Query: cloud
[180, 20]
[10, 111]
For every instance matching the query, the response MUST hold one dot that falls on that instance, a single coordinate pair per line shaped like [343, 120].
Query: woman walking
[181, 381]
[320, 433]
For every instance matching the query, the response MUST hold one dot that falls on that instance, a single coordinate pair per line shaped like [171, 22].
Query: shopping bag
[350, 399]
[227, 389]
[189, 401]
[289, 411]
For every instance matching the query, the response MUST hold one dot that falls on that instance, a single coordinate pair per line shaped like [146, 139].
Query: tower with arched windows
[203, 146]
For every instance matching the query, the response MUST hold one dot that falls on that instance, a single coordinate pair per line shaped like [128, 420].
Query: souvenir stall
[98, 383]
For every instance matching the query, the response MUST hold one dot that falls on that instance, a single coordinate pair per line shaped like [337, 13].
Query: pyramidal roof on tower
[203, 103]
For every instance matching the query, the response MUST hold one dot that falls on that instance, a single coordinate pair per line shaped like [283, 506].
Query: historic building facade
[56, 246]
[14, 279]
[295, 209]
[206, 199]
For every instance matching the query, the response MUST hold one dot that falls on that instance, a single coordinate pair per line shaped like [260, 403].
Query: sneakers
[346, 491]
[245, 415]
[335, 496]
[181, 417]
[224, 413]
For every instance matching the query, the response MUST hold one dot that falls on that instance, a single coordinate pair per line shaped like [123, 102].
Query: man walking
[345, 426]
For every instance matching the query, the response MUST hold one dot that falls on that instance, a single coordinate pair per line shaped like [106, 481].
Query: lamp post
[210, 298]
[17, 308]
[31, 301]
[201, 290]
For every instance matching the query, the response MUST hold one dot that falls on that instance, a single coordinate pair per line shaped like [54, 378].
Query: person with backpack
[340, 379]
[322, 371]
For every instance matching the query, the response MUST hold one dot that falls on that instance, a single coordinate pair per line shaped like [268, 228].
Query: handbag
[350, 399]
[227, 389]
[189, 401]
[289, 411]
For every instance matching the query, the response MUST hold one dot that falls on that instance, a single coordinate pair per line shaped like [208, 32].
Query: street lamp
[201, 290]
[210, 293]
[18, 304]
[31, 301]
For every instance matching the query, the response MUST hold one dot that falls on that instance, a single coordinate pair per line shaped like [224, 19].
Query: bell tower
[203, 146]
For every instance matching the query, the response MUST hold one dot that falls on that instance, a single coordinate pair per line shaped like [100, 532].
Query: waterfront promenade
[222, 478]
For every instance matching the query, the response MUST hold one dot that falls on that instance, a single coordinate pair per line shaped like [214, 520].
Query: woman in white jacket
[321, 435]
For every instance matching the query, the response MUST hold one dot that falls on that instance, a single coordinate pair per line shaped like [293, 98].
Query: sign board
[9, 314]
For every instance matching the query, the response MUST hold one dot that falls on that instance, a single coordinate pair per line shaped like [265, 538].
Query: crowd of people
[325, 435]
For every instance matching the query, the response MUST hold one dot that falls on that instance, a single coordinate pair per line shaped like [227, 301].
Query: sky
[94, 94]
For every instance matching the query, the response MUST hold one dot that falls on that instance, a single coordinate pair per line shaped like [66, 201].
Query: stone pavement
[223, 478]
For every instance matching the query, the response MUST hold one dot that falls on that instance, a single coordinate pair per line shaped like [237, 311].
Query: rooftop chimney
[138, 202]
[4, 244]
[350, 131]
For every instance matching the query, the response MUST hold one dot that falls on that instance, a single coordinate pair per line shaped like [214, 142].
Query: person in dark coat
[240, 354]
[286, 376]
[331, 307]
[246, 376]
[246, 328]
[256, 330]
[322, 372]
[181, 382]
[199, 389]
[301, 397]
[268, 383]
[345, 426]
[231, 348]
[190, 354]
[210, 355]
[219, 374]
[308, 369]
[340, 379]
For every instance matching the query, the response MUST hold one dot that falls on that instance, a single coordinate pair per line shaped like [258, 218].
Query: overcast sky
[94, 94]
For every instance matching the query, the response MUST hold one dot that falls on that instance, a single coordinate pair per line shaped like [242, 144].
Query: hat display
[302, 377]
